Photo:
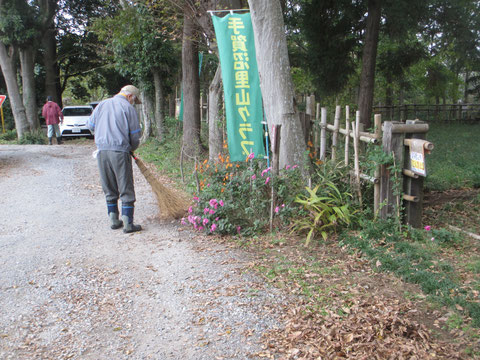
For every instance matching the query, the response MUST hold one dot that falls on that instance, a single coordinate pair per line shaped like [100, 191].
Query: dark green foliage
[9, 135]
[33, 137]
[332, 31]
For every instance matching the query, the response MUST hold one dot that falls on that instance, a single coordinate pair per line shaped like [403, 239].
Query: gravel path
[72, 288]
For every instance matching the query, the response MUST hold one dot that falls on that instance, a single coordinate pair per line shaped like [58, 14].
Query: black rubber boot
[115, 223]
[127, 217]
[59, 140]
[49, 141]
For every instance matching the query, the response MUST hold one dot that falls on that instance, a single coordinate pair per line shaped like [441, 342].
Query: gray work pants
[116, 175]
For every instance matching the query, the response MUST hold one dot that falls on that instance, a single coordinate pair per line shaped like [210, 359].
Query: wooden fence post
[413, 185]
[317, 130]
[376, 186]
[336, 126]
[323, 134]
[347, 135]
[389, 189]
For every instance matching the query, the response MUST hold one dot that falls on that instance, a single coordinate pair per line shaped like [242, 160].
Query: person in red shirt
[53, 116]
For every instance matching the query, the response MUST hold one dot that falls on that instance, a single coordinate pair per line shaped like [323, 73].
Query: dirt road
[72, 288]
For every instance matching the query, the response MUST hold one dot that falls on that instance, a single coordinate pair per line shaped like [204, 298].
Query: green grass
[453, 163]
[417, 260]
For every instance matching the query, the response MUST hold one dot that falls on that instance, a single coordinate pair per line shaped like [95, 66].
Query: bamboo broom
[170, 204]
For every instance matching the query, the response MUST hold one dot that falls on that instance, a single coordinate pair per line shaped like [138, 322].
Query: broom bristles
[170, 204]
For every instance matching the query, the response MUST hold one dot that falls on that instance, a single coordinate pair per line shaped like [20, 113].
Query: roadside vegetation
[330, 251]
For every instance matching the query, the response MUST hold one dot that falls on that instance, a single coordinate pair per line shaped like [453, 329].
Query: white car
[75, 119]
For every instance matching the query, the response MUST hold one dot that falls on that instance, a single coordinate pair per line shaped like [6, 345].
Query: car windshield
[77, 111]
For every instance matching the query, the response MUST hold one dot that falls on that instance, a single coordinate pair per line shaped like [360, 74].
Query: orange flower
[310, 143]
[222, 190]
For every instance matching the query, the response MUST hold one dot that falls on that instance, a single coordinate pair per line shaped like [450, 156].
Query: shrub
[9, 135]
[33, 137]
[236, 198]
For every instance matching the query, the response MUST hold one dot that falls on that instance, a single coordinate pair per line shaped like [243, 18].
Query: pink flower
[221, 203]
[211, 212]
[196, 198]
[294, 167]
[251, 156]
[191, 219]
[254, 177]
[238, 229]
[213, 202]
[183, 221]
[190, 209]
[266, 170]
[428, 228]
[208, 185]
[277, 209]
[205, 221]
[283, 205]
[206, 211]
[216, 219]
[267, 180]
[287, 167]
[200, 228]
[433, 239]
[213, 227]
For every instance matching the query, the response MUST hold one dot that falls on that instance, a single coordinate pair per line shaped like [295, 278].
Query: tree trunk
[276, 80]
[171, 105]
[159, 101]
[215, 134]
[465, 88]
[145, 116]
[369, 58]
[7, 63]
[27, 61]
[52, 78]
[48, 9]
[389, 96]
[191, 86]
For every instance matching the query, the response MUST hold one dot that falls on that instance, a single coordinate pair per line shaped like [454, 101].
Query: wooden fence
[430, 113]
[405, 141]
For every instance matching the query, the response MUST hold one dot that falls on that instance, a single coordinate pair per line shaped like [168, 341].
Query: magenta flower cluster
[203, 223]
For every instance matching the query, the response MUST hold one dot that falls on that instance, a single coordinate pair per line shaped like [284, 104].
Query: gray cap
[130, 89]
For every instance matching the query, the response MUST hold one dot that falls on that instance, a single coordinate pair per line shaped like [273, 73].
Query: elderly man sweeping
[117, 135]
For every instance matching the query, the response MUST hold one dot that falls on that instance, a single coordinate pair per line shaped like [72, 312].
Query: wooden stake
[323, 134]
[356, 162]
[376, 187]
[347, 128]
[336, 125]
[317, 130]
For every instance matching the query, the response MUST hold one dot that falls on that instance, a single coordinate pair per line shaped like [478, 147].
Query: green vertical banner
[241, 85]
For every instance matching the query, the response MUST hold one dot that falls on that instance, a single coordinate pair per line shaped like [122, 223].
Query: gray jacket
[116, 125]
